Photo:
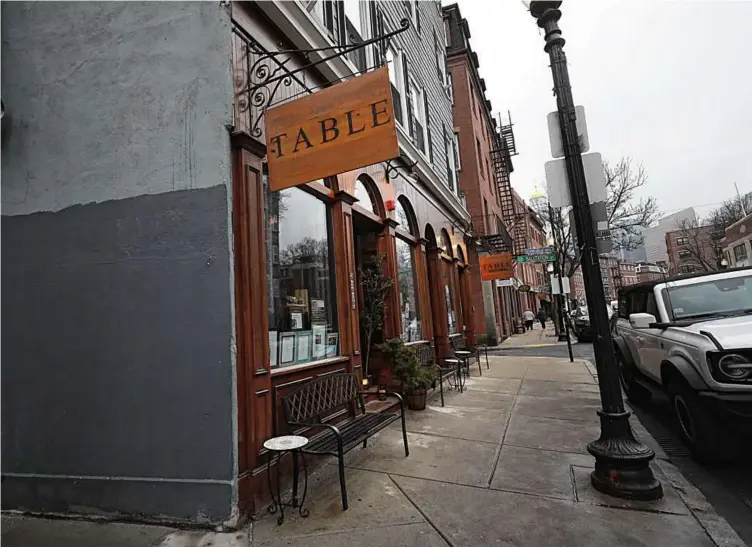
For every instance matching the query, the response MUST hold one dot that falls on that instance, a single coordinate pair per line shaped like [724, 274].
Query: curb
[716, 527]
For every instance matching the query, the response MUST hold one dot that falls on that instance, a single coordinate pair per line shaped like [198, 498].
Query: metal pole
[622, 464]
[557, 273]
[741, 201]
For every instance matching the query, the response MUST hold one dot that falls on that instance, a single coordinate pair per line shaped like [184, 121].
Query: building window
[450, 87]
[356, 30]
[300, 278]
[364, 197]
[397, 82]
[441, 64]
[480, 157]
[412, 9]
[684, 253]
[407, 283]
[418, 116]
[456, 148]
[740, 252]
[682, 241]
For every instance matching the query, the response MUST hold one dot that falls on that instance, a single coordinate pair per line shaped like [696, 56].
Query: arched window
[407, 272]
[365, 197]
[406, 217]
[446, 243]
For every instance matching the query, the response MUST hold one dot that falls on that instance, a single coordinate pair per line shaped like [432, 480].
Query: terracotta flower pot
[416, 399]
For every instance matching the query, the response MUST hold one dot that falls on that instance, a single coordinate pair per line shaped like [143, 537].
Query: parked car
[691, 337]
[579, 322]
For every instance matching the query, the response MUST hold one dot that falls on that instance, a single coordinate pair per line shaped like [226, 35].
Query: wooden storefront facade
[298, 259]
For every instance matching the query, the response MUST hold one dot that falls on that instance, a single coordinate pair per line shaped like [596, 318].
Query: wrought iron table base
[277, 502]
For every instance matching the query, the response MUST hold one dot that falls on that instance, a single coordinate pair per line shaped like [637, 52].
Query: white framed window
[450, 87]
[412, 9]
[456, 148]
[418, 127]
[397, 81]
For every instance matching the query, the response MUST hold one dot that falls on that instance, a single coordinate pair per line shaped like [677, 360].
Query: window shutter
[428, 127]
[408, 97]
[417, 16]
[436, 52]
[377, 24]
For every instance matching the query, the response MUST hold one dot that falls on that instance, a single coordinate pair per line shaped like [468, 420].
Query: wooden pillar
[388, 247]
[438, 302]
[347, 300]
[254, 407]
[468, 306]
[456, 293]
[424, 289]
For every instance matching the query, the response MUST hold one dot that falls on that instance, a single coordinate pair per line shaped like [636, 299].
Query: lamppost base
[622, 464]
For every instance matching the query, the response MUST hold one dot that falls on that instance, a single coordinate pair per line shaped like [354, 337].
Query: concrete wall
[117, 332]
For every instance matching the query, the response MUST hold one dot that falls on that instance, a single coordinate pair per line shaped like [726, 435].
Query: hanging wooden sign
[500, 266]
[335, 130]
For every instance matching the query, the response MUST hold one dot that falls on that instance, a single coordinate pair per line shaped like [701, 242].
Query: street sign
[554, 132]
[557, 182]
[540, 254]
[599, 213]
[524, 288]
[555, 284]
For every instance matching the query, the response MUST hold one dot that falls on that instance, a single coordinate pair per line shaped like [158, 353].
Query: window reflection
[300, 278]
[364, 197]
[403, 218]
[407, 283]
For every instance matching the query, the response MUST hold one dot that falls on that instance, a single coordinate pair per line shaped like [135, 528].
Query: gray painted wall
[108, 100]
[118, 378]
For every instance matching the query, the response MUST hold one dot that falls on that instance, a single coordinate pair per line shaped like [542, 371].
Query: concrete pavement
[504, 463]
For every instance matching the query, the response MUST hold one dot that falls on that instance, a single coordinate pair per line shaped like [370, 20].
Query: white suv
[692, 337]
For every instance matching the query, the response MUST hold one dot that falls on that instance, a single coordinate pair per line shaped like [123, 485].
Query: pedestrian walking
[529, 318]
[542, 317]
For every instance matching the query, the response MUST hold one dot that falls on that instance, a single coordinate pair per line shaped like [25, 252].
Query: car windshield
[717, 298]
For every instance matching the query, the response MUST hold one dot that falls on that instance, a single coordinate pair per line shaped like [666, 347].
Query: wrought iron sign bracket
[393, 171]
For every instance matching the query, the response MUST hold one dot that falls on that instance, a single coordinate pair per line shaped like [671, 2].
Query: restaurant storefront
[300, 251]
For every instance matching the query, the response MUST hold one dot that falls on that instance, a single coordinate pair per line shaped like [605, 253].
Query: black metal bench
[445, 371]
[315, 401]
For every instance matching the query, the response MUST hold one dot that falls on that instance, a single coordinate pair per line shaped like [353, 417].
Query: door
[651, 354]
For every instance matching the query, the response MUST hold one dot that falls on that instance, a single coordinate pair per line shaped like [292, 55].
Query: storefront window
[300, 278]
[365, 200]
[408, 291]
[449, 292]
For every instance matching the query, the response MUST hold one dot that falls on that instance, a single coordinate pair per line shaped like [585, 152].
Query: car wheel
[706, 438]
[635, 392]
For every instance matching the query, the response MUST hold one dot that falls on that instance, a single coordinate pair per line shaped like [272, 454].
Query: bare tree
[729, 211]
[626, 215]
[699, 247]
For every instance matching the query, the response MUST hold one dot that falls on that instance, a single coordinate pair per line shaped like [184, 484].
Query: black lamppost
[622, 464]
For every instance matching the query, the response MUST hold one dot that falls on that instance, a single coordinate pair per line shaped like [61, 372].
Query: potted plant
[414, 379]
[375, 288]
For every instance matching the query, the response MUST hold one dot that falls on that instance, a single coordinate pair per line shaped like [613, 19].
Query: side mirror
[641, 320]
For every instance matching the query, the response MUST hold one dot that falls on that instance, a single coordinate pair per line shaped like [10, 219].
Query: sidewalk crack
[423, 514]
[497, 456]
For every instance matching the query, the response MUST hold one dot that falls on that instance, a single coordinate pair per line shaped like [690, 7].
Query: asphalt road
[727, 488]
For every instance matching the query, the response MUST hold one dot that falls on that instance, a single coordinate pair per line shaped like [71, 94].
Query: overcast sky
[666, 82]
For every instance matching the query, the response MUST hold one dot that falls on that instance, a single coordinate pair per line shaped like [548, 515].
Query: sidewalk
[535, 338]
[504, 463]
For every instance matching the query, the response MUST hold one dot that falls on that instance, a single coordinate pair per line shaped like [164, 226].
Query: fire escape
[513, 216]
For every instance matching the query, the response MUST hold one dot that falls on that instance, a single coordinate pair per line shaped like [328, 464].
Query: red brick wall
[476, 174]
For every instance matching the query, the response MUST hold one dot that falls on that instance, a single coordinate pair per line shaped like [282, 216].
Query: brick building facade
[475, 134]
